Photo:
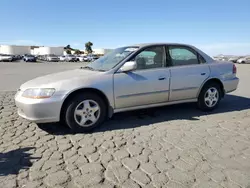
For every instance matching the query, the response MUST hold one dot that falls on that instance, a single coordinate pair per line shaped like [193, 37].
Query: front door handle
[203, 73]
[161, 78]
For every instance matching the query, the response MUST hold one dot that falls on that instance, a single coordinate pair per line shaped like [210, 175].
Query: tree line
[88, 49]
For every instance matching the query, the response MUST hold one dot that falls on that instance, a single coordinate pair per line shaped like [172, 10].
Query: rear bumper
[230, 84]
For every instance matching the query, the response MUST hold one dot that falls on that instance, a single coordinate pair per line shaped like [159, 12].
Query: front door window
[152, 57]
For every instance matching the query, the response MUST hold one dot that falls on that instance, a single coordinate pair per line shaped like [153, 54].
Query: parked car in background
[92, 57]
[62, 58]
[52, 58]
[80, 58]
[70, 58]
[234, 59]
[42, 57]
[15, 57]
[38, 57]
[85, 58]
[244, 60]
[129, 78]
[29, 58]
[221, 58]
[19, 57]
[6, 58]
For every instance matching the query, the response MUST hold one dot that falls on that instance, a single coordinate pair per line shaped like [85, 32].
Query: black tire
[68, 112]
[243, 62]
[201, 99]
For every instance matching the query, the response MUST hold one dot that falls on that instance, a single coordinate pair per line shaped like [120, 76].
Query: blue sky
[215, 26]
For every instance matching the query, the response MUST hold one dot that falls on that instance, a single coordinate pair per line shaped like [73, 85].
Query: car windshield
[110, 60]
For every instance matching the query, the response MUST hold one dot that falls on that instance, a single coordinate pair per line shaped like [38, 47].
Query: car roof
[141, 45]
[203, 54]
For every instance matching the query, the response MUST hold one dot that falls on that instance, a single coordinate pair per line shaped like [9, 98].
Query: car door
[148, 84]
[188, 72]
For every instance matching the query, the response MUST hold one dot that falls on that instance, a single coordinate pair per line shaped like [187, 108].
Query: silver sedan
[129, 78]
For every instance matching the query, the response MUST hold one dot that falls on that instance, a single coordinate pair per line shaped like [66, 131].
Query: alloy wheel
[87, 113]
[211, 97]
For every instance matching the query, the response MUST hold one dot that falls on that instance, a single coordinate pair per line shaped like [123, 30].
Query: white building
[101, 51]
[43, 50]
[48, 50]
[38, 50]
[35, 51]
[14, 50]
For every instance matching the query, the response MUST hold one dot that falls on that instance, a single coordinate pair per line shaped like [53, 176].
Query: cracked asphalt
[174, 146]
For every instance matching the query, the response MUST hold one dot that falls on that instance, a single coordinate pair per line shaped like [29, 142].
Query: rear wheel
[84, 112]
[210, 96]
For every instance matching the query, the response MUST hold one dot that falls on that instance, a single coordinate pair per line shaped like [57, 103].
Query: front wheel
[209, 97]
[84, 112]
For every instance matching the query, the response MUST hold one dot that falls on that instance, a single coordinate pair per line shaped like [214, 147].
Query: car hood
[66, 79]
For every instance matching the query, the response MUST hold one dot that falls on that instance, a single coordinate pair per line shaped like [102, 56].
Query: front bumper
[39, 110]
[230, 84]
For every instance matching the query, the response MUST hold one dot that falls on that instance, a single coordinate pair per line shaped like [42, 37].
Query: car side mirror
[128, 66]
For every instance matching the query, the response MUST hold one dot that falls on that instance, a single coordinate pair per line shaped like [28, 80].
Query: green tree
[68, 51]
[68, 46]
[88, 47]
[77, 52]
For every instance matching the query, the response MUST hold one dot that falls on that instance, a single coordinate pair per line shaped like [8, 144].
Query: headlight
[38, 93]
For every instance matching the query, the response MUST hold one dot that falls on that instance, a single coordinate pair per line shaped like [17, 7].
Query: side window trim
[188, 48]
[164, 57]
[167, 54]
[201, 58]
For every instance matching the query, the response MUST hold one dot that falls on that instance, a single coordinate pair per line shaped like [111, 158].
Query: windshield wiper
[87, 67]
[101, 70]
[90, 68]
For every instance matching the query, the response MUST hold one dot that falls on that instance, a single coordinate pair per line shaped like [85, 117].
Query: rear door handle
[161, 78]
[203, 73]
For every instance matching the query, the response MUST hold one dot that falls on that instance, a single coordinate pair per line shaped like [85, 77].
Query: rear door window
[183, 56]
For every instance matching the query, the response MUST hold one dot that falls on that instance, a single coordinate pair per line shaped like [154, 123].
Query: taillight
[234, 69]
